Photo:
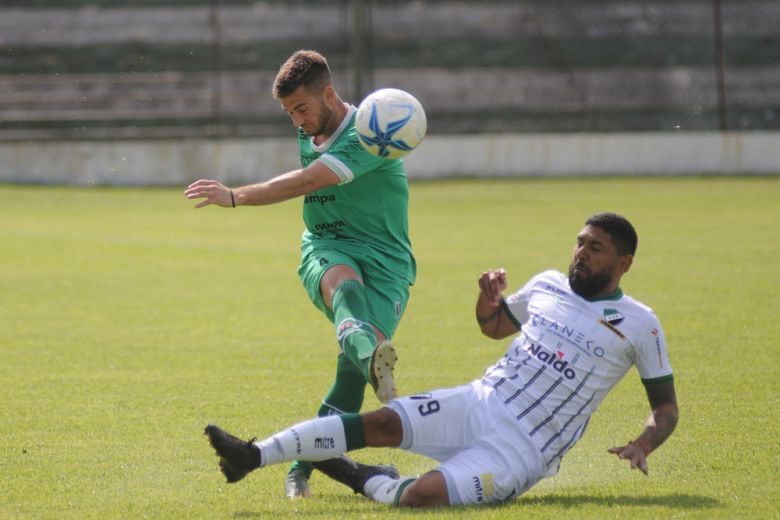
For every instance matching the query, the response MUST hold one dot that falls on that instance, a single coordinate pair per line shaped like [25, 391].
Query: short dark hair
[305, 67]
[619, 229]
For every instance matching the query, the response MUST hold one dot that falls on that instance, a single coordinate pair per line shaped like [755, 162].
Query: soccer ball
[390, 123]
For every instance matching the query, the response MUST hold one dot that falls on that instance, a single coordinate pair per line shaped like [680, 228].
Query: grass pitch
[128, 321]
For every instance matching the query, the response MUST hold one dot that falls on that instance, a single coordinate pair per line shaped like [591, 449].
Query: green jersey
[370, 204]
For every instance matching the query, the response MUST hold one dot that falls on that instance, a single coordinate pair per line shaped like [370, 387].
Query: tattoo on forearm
[668, 424]
[664, 425]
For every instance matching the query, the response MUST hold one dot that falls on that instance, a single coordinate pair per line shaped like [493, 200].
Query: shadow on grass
[673, 500]
[336, 510]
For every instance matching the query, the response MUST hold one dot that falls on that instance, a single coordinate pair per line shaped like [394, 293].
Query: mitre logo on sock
[484, 486]
[324, 443]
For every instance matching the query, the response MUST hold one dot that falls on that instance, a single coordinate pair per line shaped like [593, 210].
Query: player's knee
[382, 428]
[430, 490]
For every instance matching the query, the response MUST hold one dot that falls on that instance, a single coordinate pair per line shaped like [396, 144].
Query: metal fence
[80, 69]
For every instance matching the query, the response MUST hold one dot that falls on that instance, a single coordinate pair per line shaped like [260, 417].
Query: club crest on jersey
[613, 317]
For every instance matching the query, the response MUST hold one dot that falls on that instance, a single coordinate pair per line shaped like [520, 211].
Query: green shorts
[386, 292]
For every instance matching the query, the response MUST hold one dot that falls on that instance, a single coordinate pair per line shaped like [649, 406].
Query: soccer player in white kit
[499, 435]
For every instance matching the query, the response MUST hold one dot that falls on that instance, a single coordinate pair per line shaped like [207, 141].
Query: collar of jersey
[344, 124]
[614, 296]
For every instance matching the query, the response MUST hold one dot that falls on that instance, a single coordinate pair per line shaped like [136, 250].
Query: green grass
[128, 321]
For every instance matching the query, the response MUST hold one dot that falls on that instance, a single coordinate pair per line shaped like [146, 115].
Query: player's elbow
[489, 331]
[498, 329]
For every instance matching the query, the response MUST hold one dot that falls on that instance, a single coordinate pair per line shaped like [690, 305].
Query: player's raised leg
[343, 292]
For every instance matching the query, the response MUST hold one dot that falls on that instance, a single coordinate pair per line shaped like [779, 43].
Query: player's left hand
[633, 453]
[213, 191]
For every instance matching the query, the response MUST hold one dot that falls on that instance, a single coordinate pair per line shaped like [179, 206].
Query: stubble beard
[326, 115]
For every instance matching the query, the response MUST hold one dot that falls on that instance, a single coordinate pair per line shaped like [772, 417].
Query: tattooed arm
[658, 428]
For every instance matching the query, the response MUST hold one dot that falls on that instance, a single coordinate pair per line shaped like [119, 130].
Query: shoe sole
[220, 440]
[382, 367]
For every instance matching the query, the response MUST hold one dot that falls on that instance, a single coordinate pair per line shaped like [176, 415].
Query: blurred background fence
[100, 69]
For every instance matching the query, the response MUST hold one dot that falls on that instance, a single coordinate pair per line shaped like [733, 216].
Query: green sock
[345, 396]
[355, 335]
[354, 431]
[348, 390]
[305, 467]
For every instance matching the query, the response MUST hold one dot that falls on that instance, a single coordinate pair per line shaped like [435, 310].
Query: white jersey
[569, 354]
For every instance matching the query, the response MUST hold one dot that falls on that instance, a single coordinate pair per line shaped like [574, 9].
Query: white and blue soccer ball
[390, 123]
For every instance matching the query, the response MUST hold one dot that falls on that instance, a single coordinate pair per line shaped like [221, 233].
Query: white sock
[313, 440]
[386, 490]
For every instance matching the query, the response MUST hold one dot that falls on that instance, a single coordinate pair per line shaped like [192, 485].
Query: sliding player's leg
[486, 457]
[313, 440]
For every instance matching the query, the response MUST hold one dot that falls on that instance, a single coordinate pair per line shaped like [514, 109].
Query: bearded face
[588, 283]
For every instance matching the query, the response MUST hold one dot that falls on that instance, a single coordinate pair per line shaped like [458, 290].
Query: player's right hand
[634, 454]
[213, 191]
[492, 283]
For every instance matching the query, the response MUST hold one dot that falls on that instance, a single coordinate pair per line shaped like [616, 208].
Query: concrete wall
[241, 161]
[89, 69]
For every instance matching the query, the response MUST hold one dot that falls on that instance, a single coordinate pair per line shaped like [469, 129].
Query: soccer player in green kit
[356, 258]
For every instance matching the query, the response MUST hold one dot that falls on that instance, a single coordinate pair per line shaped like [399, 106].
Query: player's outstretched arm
[282, 187]
[658, 428]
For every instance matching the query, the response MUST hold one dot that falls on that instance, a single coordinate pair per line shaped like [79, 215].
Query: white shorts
[485, 455]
